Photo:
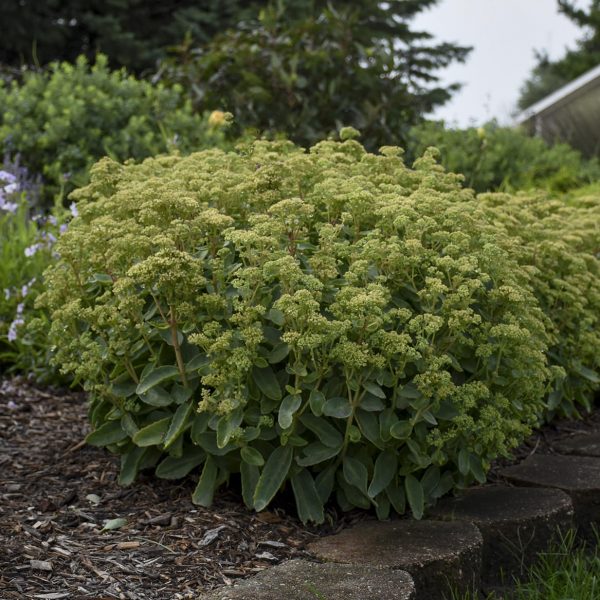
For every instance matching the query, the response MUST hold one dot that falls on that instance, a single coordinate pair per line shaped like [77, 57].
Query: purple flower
[6, 176]
[31, 250]
[73, 209]
[63, 228]
[52, 220]
[10, 207]
[12, 330]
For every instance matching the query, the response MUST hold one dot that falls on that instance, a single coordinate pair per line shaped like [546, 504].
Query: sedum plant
[329, 321]
[559, 244]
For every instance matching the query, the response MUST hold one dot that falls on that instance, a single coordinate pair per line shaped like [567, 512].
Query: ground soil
[56, 494]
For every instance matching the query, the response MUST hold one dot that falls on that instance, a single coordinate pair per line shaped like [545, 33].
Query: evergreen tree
[306, 68]
[548, 75]
[132, 33]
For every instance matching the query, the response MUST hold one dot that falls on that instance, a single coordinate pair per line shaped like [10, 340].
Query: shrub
[559, 244]
[64, 119]
[25, 252]
[328, 319]
[494, 158]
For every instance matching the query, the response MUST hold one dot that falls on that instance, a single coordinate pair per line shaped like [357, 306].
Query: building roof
[570, 114]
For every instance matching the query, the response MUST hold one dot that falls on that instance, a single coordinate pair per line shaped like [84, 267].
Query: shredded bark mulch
[56, 494]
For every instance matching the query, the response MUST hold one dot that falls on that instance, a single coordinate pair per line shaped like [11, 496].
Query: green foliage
[330, 319]
[132, 33]
[307, 68]
[25, 252]
[549, 75]
[64, 119]
[503, 158]
[559, 244]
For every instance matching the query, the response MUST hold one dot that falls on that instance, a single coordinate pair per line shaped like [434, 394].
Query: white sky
[504, 34]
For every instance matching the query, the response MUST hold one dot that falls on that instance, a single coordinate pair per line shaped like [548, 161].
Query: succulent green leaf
[110, 433]
[249, 475]
[267, 382]
[179, 422]
[176, 468]
[355, 473]
[205, 490]
[252, 456]
[272, 477]
[156, 376]
[130, 465]
[308, 502]
[338, 408]
[289, 405]
[415, 496]
[152, 434]
[326, 432]
[386, 466]
[317, 402]
[316, 453]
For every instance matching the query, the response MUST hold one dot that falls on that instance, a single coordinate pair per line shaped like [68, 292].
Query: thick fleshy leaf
[273, 475]
[227, 425]
[249, 474]
[109, 433]
[156, 376]
[338, 407]
[267, 382]
[386, 467]
[326, 432]
[152, 434]
[179, 422]
[205, 490]
[355, 473]
[252, 456]
[317, 402]
[289, 405]
[401, 430]
[176, 468]
[316, 453]
[308, 502]
[130, 465]
[397, 497]
[414, 495]
[375, 389]
[157, 396]
[324, 482]
[464, 463]
[278, 353]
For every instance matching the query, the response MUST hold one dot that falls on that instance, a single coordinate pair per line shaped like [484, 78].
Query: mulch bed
[56, 494]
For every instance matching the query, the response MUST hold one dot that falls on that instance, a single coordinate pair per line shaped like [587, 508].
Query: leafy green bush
[64, 119]
[494, 158]
[26, 244]
[559, 244]
[329, 319]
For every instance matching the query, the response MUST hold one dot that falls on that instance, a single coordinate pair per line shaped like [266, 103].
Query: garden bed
[56, 494]
[55, 499]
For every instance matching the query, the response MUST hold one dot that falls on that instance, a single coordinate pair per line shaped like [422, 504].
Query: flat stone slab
[302, 580]
[581, 444]
[516, 524]
[437, 554]
[578, 476]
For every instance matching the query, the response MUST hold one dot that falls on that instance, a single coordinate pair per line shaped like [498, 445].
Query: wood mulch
[56, 494]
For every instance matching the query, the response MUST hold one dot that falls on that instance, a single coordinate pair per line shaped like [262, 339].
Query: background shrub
[62, 120]
[331, 321]
[494, 158]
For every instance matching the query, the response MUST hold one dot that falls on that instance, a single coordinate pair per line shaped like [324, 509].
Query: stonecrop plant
[329, 321]
[559, 244]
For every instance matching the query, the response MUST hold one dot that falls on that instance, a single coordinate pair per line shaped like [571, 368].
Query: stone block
[578, 476]
[439, 555]
[516, 524]
[302, 580]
